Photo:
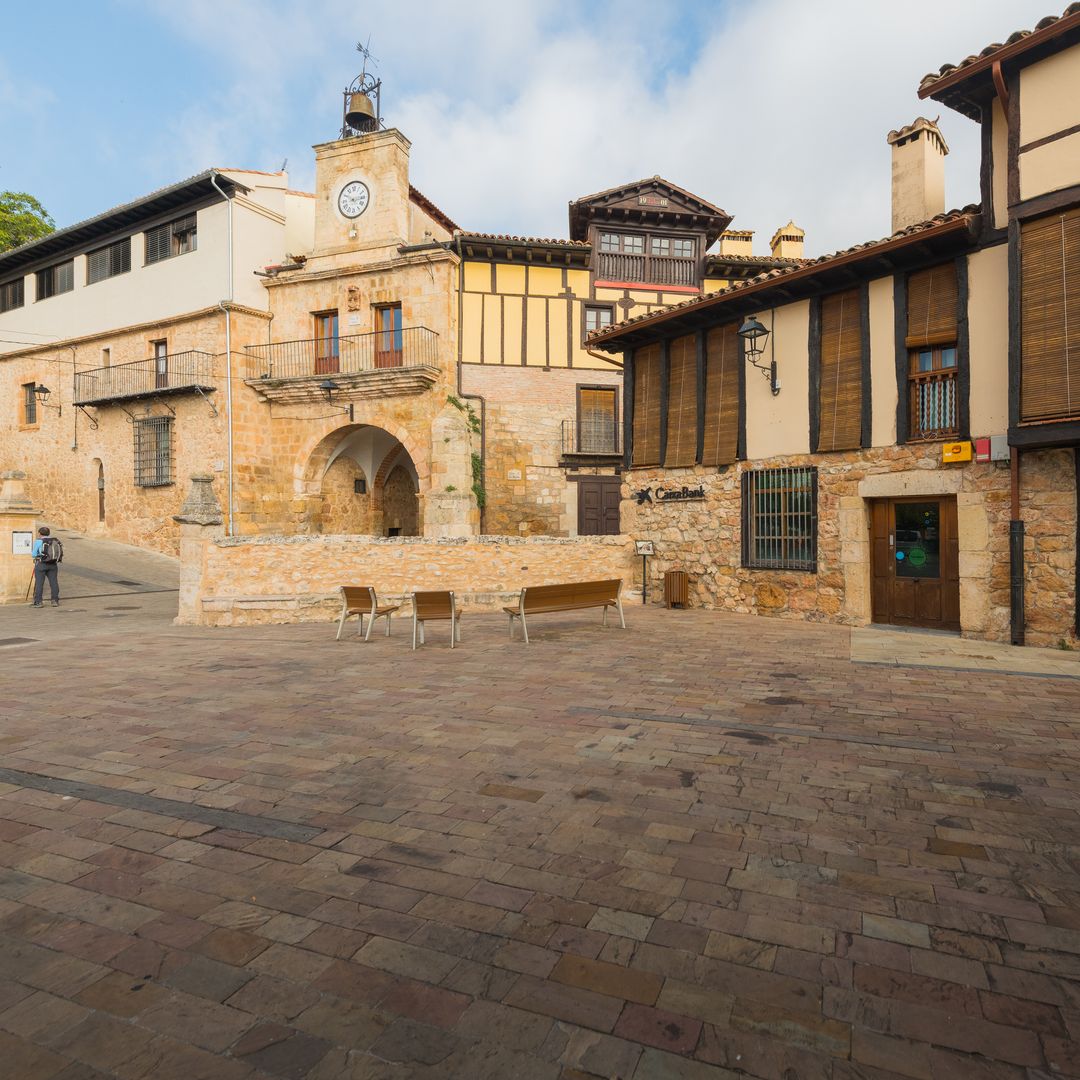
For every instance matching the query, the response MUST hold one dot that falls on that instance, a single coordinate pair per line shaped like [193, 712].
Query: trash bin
[676, 589]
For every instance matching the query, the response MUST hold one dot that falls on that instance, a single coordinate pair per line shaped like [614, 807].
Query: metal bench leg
[524, 628]
[422, 639]
[605, 616]
[341, 622]
[618, 604]
[414, 632]
[370, 626]
[388, 624]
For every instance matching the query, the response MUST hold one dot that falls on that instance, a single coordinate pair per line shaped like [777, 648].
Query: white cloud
[777, 109]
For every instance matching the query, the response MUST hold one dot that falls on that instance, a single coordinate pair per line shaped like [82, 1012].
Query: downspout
[228, 358]
[461, 392]
[1016, 552]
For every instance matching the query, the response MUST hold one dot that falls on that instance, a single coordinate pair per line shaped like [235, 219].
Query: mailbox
[956, 451]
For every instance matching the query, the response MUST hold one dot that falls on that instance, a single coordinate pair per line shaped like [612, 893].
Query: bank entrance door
[916, 580]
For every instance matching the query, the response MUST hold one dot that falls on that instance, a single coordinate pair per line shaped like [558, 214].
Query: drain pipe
[228, 356]
[1016, 552]
[460, 390]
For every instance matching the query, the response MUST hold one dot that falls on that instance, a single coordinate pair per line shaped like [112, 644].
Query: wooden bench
[541, 599]
[433, 606]
[361, 600]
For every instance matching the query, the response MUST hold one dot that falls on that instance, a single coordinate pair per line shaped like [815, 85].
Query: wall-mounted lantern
[754, 336]
[42, 394]
[328, 386]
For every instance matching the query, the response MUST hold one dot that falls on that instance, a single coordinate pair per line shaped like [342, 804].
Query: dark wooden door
[915, 562]
[598, 505]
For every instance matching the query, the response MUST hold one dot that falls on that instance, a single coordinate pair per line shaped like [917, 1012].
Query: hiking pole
[30, 584]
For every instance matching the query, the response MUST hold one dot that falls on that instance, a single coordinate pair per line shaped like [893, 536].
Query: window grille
[108, 261]
[29, 403]
[57, 279]
[11, 295]
[153, 451]
[779, 519]
[172, 238]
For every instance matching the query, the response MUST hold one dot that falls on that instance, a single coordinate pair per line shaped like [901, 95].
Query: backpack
[52, 551]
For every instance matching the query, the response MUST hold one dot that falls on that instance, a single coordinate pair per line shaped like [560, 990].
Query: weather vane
[362, 112]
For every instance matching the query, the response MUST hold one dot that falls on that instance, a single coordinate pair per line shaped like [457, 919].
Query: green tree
[22, 219]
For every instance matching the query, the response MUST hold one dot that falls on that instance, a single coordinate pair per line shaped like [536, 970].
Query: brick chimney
[918, 173]
[737, 242]
[787, 242]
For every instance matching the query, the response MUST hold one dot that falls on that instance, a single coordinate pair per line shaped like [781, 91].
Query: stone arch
[318, 454]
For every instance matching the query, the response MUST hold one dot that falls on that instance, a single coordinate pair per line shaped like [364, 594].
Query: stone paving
[707, 846]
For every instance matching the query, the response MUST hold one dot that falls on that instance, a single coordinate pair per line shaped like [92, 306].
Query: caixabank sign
[669, 495]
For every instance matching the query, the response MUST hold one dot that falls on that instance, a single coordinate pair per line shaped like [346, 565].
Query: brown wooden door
[915, 562]
[598, 505]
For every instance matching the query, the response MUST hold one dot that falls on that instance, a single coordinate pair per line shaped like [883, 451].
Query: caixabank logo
[652, 495]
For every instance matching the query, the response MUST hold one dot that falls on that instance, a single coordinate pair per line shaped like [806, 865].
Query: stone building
[343, 361]
[912, 453]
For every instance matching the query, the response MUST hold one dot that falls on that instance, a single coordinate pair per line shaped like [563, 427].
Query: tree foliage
[22, 219]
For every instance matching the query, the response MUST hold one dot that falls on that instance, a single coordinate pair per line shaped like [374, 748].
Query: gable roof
[966, 85]
[946, 233]
[431, 209]
[605, 203]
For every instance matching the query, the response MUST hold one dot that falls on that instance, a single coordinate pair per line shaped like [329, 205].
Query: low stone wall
[281, 579]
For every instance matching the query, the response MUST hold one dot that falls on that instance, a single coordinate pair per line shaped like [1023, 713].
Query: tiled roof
[649, 180]
[977, 61]
[802, 268]
[504, 238]
[425, 203]
[751, 260]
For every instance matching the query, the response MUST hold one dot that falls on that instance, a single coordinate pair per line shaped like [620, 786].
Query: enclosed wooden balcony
[647, 269]
[172, 373]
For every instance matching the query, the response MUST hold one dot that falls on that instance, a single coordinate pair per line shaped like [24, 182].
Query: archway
[344, 482]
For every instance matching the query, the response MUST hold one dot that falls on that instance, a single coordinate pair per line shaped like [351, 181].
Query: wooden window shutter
[722, 360]
[682, 403]
[1050, 317]
[647, 406]
[841, 373]
[933, 306]
[597, 406]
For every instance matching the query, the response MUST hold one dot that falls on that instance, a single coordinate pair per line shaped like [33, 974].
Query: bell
[360, 115]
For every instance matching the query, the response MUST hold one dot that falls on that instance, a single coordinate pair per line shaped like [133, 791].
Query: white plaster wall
[781, 424]
[882, 362]
[988, 328]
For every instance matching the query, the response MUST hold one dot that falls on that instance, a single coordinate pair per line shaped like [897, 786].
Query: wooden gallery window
[779, 519]
[1050, 317]
[647, 373]
[840, 372]
[722, 362]
[682, 410]
[933, 305]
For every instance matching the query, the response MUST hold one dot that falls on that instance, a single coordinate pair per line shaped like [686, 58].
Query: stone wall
[278, 579]
[344, 509]
[704, 538]
[527, 490]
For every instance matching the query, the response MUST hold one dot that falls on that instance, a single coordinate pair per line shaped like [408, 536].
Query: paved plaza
[707, 846]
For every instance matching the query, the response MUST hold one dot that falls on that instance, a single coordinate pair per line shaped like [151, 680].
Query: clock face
[354, 198]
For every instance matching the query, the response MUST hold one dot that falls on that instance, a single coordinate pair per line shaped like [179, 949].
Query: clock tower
[362, 196]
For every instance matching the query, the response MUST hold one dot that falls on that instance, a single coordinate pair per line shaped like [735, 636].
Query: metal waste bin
[676, 589]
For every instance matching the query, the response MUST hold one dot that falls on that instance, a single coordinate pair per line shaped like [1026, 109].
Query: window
[634, 245]
[29, 403]
[779, 519]
[840, 373]
[153, 451]
[681, 447]
[665, 245]
[327, 343]
[646, 434]
[161, 364]
[172, 238]
[1050, 317]
[596, 318]
[723, 358]
[932, 303]
[660, 245]
[388, 338]
[684, 249]
[609, 242]
[57, 279]
[11, 295]
[108, 261]
[597, 425]
[106, 357]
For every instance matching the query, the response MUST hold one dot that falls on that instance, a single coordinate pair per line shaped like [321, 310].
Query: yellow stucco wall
[781, 424]
[1050, 167]
[882, 362]
[999, 134]
[1050, 95]
[988, 328]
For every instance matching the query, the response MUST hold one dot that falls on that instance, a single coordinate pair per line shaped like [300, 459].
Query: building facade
[910, 456]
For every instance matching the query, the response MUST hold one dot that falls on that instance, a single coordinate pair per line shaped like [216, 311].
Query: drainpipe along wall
[228, 359]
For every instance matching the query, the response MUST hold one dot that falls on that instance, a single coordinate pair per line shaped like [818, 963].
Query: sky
[770, 109]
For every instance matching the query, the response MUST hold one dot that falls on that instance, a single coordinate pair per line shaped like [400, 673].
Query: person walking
[48, 554]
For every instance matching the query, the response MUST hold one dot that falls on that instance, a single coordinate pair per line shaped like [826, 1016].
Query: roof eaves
[426, 204]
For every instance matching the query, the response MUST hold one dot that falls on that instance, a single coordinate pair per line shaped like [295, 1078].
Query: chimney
[787, 242]
[737, 242]
[918, 173]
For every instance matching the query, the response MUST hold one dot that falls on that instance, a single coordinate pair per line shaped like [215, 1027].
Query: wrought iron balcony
[591, 438]
[174, 373]
[411, 347]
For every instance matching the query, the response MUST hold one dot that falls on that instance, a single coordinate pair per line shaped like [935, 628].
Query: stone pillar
[975, 562]
[200, 524]
[855, 558]
[17, 519]
[449, 508]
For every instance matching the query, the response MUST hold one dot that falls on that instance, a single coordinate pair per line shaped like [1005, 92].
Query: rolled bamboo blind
[932, 306]
[840, 394]
[681, 447]
[722, 360]
[646, 433]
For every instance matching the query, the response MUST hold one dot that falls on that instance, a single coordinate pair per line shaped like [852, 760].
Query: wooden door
[598, 505]
[161, 365]
[388, 339]
[327, 344]
[915, 562]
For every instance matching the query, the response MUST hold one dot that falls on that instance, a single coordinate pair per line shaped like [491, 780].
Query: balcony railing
[411, 347]
[593, 437]
[933, 405]
[169, 374]
[648, 269]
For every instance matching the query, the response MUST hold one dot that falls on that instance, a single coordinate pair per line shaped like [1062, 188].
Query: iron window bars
[779, 519]
[29, 403]
[153, 451]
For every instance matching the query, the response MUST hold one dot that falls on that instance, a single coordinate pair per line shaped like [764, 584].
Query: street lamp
[754, 336]
[42, 394]
[328, 386]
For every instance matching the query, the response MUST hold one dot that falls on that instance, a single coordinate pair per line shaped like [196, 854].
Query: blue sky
[513, 108]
